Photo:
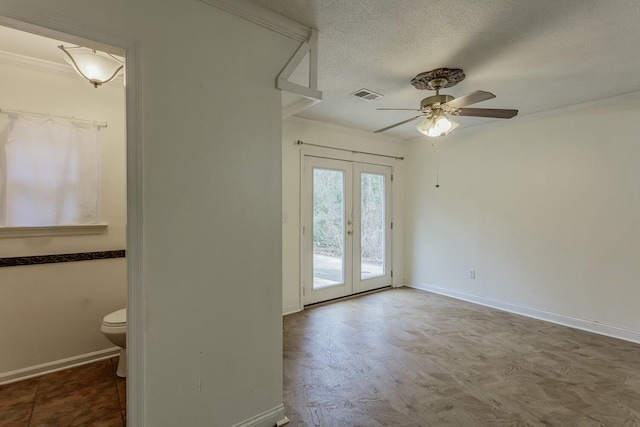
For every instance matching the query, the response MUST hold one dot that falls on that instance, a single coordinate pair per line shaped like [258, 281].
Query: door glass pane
[328, 227]
[372, 220]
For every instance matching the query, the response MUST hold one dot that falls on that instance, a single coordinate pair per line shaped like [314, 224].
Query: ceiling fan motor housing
[435, 99]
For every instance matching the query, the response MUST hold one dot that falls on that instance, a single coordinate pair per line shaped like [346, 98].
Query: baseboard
[560, 319]
[57, 365]
[290, 309]
[272, 417]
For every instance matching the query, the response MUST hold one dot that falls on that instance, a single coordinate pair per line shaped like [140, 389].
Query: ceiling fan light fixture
[433, 108]
[436, 125]
[443, 124]
[426, 127]
[95, 66]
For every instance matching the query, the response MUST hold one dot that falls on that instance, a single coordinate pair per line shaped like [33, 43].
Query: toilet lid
[116, 318]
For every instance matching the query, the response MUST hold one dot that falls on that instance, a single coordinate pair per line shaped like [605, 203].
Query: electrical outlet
[472, 273]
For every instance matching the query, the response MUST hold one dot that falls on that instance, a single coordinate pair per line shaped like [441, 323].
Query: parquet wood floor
[406, 357]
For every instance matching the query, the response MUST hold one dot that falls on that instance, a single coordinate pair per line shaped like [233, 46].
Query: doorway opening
[126, 126]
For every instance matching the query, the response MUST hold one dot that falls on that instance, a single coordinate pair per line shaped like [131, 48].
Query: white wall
[545, 210]
[295, 129]
[211, 150]
[54, 311]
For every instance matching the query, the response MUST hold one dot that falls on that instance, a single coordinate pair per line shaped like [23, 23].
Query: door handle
[349, 232]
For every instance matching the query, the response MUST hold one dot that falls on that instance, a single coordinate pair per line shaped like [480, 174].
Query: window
[49, 173]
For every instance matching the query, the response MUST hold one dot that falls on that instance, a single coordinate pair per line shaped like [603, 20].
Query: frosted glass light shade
[443, 124]
[427, 127]
[436, 125]
[95, 66]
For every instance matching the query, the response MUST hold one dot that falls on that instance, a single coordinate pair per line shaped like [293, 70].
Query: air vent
[366, 94]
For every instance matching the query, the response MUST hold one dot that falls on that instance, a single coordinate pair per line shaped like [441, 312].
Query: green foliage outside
[329, 211]
[372, 218]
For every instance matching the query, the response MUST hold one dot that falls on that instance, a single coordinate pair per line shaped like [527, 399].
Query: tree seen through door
[329, 227]
[372, 223]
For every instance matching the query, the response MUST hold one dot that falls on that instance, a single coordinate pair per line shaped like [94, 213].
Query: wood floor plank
[406, 357]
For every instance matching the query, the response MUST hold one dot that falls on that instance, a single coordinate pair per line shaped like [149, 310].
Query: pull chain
[437, 162]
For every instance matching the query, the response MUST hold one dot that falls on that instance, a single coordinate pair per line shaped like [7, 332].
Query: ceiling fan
[436, 109]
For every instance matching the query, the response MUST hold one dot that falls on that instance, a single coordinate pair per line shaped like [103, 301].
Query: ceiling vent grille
[366, 94]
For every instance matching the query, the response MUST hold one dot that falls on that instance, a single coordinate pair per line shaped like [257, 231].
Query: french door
[346, 228]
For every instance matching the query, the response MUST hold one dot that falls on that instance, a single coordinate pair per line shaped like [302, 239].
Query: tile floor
[89, 395]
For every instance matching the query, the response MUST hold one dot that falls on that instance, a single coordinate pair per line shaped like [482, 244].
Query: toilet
[114, 326]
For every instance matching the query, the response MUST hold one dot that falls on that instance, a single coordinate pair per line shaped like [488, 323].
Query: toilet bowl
[114, 326]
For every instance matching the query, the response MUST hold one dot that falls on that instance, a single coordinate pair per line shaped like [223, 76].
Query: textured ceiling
[534, 55]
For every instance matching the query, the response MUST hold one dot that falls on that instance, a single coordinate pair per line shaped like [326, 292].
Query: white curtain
[51, 173]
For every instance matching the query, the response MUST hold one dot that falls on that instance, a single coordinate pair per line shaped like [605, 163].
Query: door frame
[346, 287]
[328, 153]
[56, 27]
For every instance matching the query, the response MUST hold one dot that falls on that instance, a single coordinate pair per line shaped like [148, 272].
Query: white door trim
[311, 295]
[59, 27]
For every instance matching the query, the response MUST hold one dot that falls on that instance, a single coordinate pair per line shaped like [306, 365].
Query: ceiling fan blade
[488, 112]
[397, 109]
[472, 98]
[399, 123]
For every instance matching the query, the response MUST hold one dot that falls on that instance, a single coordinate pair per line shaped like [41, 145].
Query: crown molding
[36, 64]
[263, 17]
[343, 129]
[31, 63]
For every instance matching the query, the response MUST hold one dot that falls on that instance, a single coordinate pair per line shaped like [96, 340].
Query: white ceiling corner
[264, 17]
[343, 129]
